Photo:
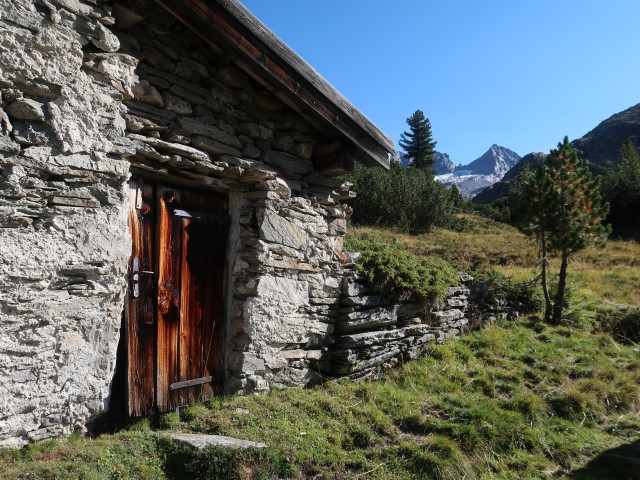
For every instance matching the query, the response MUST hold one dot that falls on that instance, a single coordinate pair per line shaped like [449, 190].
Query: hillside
[474, 177]
[601, 146]
[515, 400]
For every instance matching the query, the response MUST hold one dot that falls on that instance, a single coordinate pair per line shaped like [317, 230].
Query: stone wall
[376, 328]
[196, 115]
[63, 232]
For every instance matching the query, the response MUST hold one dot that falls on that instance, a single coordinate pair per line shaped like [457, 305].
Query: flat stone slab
[201, 441]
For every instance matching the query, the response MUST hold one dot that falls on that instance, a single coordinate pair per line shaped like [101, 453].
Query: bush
[408, 199]
[624, 324]
[389, 265]
[502, 286]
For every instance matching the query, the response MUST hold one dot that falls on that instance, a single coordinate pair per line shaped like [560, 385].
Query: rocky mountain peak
[482, 172]
[443, 162]
[496, 161]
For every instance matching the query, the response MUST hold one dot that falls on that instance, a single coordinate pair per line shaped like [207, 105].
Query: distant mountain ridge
[599, 147]
[475, 176]
[443, 162]
[482, 172]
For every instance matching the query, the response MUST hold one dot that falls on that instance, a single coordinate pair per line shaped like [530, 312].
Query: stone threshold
[199, 441]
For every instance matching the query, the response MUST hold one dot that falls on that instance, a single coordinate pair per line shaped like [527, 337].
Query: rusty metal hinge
[192, 382]
[201, 215]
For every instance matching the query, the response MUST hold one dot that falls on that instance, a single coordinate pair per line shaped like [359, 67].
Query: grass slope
[514, 401]
[609, 275]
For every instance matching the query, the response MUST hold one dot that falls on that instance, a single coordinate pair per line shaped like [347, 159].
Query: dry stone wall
[195, 114]
[376, 329]
[63, 231]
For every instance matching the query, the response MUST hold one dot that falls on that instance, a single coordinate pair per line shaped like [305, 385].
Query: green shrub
[389, 265]
[502, 286]
[408, 199]
[621, 188]
[624, 323]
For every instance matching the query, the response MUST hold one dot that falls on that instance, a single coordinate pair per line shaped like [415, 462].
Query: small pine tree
[565, 216]
[418, 143]
[457, 198]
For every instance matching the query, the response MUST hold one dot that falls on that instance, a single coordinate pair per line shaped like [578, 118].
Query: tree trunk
[562, 283]
[545, 287]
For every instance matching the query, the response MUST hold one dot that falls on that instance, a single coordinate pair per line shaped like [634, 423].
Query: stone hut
[170, 216]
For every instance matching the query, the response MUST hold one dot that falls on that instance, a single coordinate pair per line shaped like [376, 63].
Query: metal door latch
[135, 276]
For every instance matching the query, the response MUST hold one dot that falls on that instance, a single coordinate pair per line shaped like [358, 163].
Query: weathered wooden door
[175, 305]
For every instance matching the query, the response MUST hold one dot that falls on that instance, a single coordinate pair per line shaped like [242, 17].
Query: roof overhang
[229, 26]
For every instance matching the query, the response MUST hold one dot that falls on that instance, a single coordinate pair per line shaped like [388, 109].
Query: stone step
[199, 441]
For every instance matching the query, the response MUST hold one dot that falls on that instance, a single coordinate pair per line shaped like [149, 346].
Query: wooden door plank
[169, 266]
[192, 291]
[204, 263]
[140, 311]
[191, 272]
[216, 258]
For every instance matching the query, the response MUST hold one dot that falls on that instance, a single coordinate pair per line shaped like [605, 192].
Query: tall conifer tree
[418, 143]
[565, 217]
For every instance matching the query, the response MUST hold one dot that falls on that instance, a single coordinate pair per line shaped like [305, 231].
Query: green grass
[609, 275]
[514, 400]
[517, 400]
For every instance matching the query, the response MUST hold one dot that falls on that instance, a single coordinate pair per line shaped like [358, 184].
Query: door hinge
[201, 215]
[193, 382]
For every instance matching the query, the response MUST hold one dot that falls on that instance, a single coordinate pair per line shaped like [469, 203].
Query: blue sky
[521, 74]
